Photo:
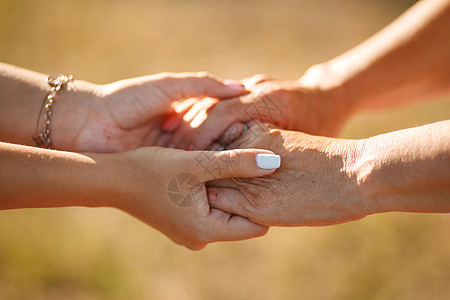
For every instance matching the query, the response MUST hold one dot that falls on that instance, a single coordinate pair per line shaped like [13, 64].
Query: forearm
[32, 177]
[22, 97]
[23, 93]
[409, 60]
[406, 170]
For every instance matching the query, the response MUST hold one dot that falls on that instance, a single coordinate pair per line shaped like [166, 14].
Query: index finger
[220, 116]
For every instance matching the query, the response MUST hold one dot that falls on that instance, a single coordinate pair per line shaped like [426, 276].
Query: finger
[205, 103]
[179, 86]
[251, 82]
[232, 133]
[255, 133]
[227, 199]
[220, 117]
[226, 227]
[209, 165]
[152, 136]
[174, 120]
[183, 106]
[163, 140]
[202, 114]
[178, 137]
[181, 138]
[223, 183]
[216, 146]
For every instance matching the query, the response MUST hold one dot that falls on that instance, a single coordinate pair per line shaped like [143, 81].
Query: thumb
[212, 165]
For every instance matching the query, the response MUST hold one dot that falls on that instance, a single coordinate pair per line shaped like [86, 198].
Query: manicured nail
[235, 85]
[268, 161]
[170, 123]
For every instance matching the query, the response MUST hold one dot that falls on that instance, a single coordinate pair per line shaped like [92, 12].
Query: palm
[124, 120]
[128, 114]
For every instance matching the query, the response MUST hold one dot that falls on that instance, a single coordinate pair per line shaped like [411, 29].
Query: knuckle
[260, 77]
[252, 193]
[234, 156]
[214, 195]
[244, 141]
[279, 93]
[256, 197]
[229, 161]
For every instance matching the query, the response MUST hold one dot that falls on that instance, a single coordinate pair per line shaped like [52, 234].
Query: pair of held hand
[197, 111]
[321, 180]
[120, 138]
[115, 128]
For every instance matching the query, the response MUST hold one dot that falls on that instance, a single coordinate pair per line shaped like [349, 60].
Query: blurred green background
[80, 253]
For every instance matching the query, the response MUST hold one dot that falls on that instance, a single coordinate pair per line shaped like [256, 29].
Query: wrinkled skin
[286, 104]
[313, 187]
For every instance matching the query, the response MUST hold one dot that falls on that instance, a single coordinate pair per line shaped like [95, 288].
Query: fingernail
[234, 84]
[268, 161]
[189, 148]
[169, 123]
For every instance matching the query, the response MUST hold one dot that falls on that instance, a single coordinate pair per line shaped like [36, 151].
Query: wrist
[135, 175]
[356, 166]
[361, 170]
[74, 106]
[333, 92]
[111, 180]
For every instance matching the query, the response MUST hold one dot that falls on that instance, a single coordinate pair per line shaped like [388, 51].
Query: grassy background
[80, 253]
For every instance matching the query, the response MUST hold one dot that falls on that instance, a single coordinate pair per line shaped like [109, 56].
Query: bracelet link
[56, 82]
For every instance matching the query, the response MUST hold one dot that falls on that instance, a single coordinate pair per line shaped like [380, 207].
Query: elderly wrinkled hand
[312, 187]
[292, 105]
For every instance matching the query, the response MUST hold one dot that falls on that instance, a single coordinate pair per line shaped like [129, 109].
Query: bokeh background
[80, 253]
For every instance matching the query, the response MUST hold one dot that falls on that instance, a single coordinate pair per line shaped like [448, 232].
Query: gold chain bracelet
[43, 139]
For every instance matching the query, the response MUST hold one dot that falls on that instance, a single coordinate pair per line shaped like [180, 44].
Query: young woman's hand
[128, 114]
[165, 188]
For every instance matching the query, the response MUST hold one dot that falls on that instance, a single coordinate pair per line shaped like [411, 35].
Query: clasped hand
[243, 199]
[203, 196]
[198, 111]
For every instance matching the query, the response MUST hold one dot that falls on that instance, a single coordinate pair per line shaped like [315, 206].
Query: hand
[294, 105]
[314, 185]
[165, 189]
[128, 114]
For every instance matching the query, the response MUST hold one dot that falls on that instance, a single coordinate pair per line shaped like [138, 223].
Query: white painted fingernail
[268, 161]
